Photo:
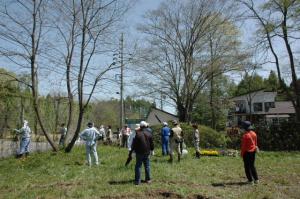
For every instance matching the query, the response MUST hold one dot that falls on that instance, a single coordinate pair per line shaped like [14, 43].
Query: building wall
[256, 97]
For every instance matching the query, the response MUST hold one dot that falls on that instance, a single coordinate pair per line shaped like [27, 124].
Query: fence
[10, 147]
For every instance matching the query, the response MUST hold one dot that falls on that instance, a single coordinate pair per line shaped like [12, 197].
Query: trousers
[142, 159]
[24, 146]
[250, 170]
[91, 150]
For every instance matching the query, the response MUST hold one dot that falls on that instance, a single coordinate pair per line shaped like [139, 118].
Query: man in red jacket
[248, 150]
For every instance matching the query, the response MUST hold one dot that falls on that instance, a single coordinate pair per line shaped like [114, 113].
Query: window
[269, 105]
[258, 107]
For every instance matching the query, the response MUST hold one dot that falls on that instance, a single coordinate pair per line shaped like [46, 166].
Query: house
[158, 116]
[260, 105]
[155, 116]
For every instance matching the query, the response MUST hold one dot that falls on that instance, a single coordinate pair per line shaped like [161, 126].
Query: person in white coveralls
[90, 136]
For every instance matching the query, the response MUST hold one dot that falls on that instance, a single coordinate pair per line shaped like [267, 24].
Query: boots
[197, 154]
[171, 158]
[18, 156]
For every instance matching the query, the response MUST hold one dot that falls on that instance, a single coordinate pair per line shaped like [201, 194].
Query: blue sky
[131, 20]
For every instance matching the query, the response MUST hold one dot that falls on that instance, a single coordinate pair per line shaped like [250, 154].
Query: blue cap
[246, 125]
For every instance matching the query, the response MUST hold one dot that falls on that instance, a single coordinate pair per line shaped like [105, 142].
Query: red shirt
[249, 142]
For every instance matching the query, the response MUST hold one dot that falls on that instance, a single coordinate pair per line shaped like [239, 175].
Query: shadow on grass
[223, 184]
[121, 182]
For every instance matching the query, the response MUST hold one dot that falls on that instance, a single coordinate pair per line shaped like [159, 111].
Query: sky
[131, 36]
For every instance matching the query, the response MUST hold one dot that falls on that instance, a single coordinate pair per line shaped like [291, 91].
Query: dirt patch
[157, 194]
[58, 184]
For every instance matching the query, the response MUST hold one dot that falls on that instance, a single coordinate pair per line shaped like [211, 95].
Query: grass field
[49, 175]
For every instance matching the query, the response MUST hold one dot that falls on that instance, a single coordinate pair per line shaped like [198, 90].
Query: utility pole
[122, 86]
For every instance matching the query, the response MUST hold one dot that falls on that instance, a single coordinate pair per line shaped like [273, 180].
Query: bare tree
[276, 19]
[85, 29]
[178, 52]
[22, 29]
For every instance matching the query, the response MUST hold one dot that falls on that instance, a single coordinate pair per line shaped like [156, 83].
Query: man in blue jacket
[165, 135]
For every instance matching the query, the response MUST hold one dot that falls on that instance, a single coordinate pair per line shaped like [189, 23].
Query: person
[248, 151]
[63, 133]
[109, 134]
[102, 131]
[125, 132]
[196, 140]
[25, 139]
[165, 135]
[142, 145]
[132, 136]
[90, 136]
[176, 141]
[148, 128]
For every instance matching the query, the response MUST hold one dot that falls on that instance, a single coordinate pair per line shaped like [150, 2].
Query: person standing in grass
[196, 140]
[90, 136]
[25, 139]
[109, 135]
[125, 132]
[176, 141]
[142, 145]
[248, 151]
[165, 136]
[63, 133]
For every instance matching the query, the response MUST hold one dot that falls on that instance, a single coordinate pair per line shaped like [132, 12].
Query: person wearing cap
[248, 151]
[25, 139]
[90, 135]
[176, 141]
[196, 140]
[63, 133]
[165, 135]
[142, 145]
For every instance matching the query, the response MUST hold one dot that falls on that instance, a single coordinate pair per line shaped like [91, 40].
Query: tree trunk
[21, 118]
[182, 113]
[292, 66]
[213, 113]
[77, 131]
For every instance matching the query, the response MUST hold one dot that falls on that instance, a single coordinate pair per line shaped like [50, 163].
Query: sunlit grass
[61, 175]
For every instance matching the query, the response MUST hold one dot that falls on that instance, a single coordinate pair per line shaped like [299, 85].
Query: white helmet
[165, 123]
[143, 124]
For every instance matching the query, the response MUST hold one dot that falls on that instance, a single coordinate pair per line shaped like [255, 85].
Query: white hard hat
[165, 123]
[143, 124]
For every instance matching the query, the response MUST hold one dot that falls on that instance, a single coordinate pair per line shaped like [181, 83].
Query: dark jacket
[143, 143]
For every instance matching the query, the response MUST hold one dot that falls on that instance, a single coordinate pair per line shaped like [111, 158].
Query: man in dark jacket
[142, 145]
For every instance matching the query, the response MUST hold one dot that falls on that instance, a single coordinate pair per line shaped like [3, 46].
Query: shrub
[209, 138]
[282, 136]
[275, 137]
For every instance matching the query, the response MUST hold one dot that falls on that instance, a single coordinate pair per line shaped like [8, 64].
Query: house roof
[254, 91]
[157, 116]
[285, 107]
